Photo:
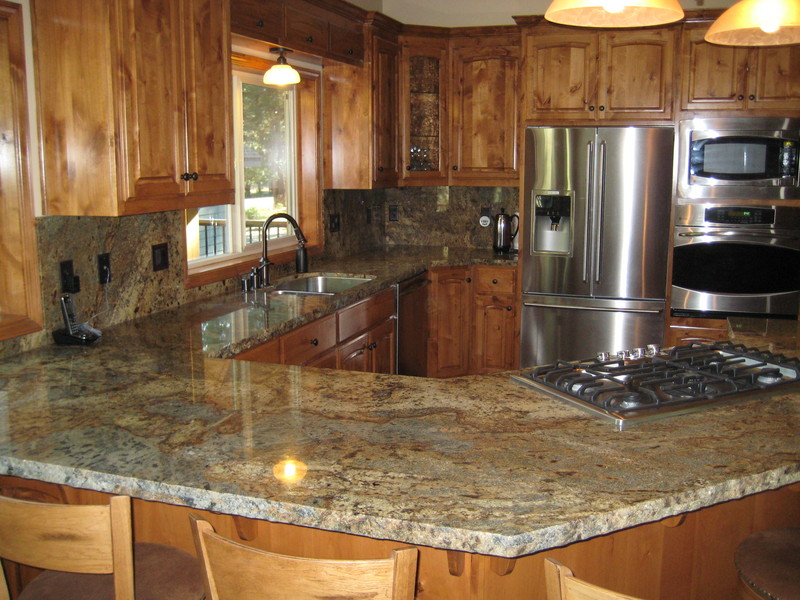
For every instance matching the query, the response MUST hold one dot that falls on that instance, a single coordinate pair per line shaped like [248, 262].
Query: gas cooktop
[652, 383]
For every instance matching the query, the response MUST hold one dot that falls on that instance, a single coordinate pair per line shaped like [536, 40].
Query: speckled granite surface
[476, 463]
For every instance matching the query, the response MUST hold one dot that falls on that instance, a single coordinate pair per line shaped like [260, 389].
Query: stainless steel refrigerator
[595, 240]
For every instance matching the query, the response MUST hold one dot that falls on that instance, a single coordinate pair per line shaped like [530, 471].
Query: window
[275, 135]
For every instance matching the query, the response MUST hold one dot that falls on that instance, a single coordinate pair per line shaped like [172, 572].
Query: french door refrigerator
[595, 240]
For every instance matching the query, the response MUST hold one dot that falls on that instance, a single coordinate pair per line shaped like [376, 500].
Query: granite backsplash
[426, 216]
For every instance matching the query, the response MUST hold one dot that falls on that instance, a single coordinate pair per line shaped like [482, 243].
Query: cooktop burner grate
[672, 381]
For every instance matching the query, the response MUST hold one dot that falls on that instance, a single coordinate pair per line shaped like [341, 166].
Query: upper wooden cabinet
[360, 117]
[325, 28]
[725, 78]
[134, 104]
[612, 75]
[484, 110]
[459, 107]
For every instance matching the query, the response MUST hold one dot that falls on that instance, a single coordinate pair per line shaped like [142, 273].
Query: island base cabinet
[688, 556]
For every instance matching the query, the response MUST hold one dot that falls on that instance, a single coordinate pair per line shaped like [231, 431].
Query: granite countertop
[477, 464]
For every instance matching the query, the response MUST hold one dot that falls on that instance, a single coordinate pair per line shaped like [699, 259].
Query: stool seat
[769, 563]
[160, 573]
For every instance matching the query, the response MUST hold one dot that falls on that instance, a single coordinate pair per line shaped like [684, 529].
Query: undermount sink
[321, 284]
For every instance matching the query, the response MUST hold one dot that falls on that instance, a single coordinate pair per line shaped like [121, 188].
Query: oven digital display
[740, 216]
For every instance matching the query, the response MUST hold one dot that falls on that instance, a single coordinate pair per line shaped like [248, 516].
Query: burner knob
[639, 353]
[603, 356]
[624, 355]
[653, 349]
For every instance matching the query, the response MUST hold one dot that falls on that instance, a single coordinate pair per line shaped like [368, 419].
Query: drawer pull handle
[315, 342]
[310, 39]
[260, 23]
[509, 308]
[740, 97]
[494, 281]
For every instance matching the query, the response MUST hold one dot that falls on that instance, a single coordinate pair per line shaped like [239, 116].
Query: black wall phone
[73, 333]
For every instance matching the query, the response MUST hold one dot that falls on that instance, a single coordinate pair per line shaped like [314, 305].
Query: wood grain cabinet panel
[136, 115]
[450, 322]
[258, 19]
[309, 341]
[729, 78]
[484, 110]
[614, 75]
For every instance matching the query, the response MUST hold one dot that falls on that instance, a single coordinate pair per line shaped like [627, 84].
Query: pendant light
[281, 73]
[757, 23]
[614, 13]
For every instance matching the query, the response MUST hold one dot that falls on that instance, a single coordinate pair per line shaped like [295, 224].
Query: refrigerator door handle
[598, 224]
[588, 215]
[594, 308]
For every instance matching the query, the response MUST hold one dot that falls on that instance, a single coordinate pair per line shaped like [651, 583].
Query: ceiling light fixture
[614, 13]
[757, 23]
[281, 73]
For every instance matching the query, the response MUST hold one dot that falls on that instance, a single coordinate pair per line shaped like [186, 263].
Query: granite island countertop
[476, 464]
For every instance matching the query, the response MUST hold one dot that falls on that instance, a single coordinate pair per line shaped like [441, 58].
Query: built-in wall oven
[736, 260]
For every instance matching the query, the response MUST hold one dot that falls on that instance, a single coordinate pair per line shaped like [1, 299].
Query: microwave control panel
[740, 215]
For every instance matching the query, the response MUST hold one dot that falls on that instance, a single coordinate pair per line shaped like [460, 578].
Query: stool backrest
[563, 585]
[72, 538]
[234, 571]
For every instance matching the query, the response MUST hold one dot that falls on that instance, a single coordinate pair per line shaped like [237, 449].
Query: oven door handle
[732, 234]
[594, 308]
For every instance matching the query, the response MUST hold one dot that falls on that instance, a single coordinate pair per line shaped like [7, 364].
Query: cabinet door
[384, 110]
[635, 74]
[713, 77]
[383, 347]
[355, 354]
[209, 119]
[495, 341]
[258, 19]
[560, 75]
[774, 78]
[423, 111]
[448, 344]
[483, 132]
[154, 104]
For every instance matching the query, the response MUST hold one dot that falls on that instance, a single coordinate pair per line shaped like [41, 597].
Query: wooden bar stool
[234, 571]
[769, 565]
[563, 585]
[88, 554]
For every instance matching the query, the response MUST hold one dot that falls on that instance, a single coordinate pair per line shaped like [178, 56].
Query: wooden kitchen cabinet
[495, 329]
[424, 84]
[685, 330]
[725, 78]
[484, 110]
[574, 75]
[359, 337]
[472, 329]
[360, 117]
[134, 104]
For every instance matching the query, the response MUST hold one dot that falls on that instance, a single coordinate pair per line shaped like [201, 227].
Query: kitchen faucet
[259, 276]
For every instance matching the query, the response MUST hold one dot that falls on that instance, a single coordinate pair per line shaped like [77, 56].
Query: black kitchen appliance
[647, 384]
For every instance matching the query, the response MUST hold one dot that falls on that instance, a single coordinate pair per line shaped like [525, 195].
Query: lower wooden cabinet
[474, 326]
[360, 337]
[687, 330]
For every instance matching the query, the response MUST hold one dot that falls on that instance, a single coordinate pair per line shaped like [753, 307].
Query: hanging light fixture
[281, 73]
[614, 13]
[757, 23]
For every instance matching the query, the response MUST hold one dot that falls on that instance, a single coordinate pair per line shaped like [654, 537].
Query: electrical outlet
[70, 283]
[333, 223]
[393, 212]
[104, 268]
[160, 256]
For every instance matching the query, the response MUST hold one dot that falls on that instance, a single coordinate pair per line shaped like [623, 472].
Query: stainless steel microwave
[739, 158]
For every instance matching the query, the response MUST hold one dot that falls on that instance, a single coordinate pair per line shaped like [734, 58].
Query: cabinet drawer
[494, 280]
[260, 20]
[365, 314]
[303, 344]
[306, 31]
[268, 352]
[347, 43]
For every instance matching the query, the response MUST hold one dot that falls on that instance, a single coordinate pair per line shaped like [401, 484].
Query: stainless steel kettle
[503, 235]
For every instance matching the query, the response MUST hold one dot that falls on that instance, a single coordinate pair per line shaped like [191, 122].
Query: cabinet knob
[468, 279]
[752, 97]
[740, 97]
[591, 108]
[260, 23]
[315, 342]
[194, 176]
[350, 52]
[408, 168]
[380, 169]
[310, 39]
[602, 107]
[188, 176]
[455, 167]
[509, 308]
[494, 281]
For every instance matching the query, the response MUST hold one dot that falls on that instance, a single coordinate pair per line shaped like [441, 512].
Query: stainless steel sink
[323, 284]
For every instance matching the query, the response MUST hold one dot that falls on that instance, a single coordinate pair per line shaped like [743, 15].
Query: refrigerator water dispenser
[552, 223]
